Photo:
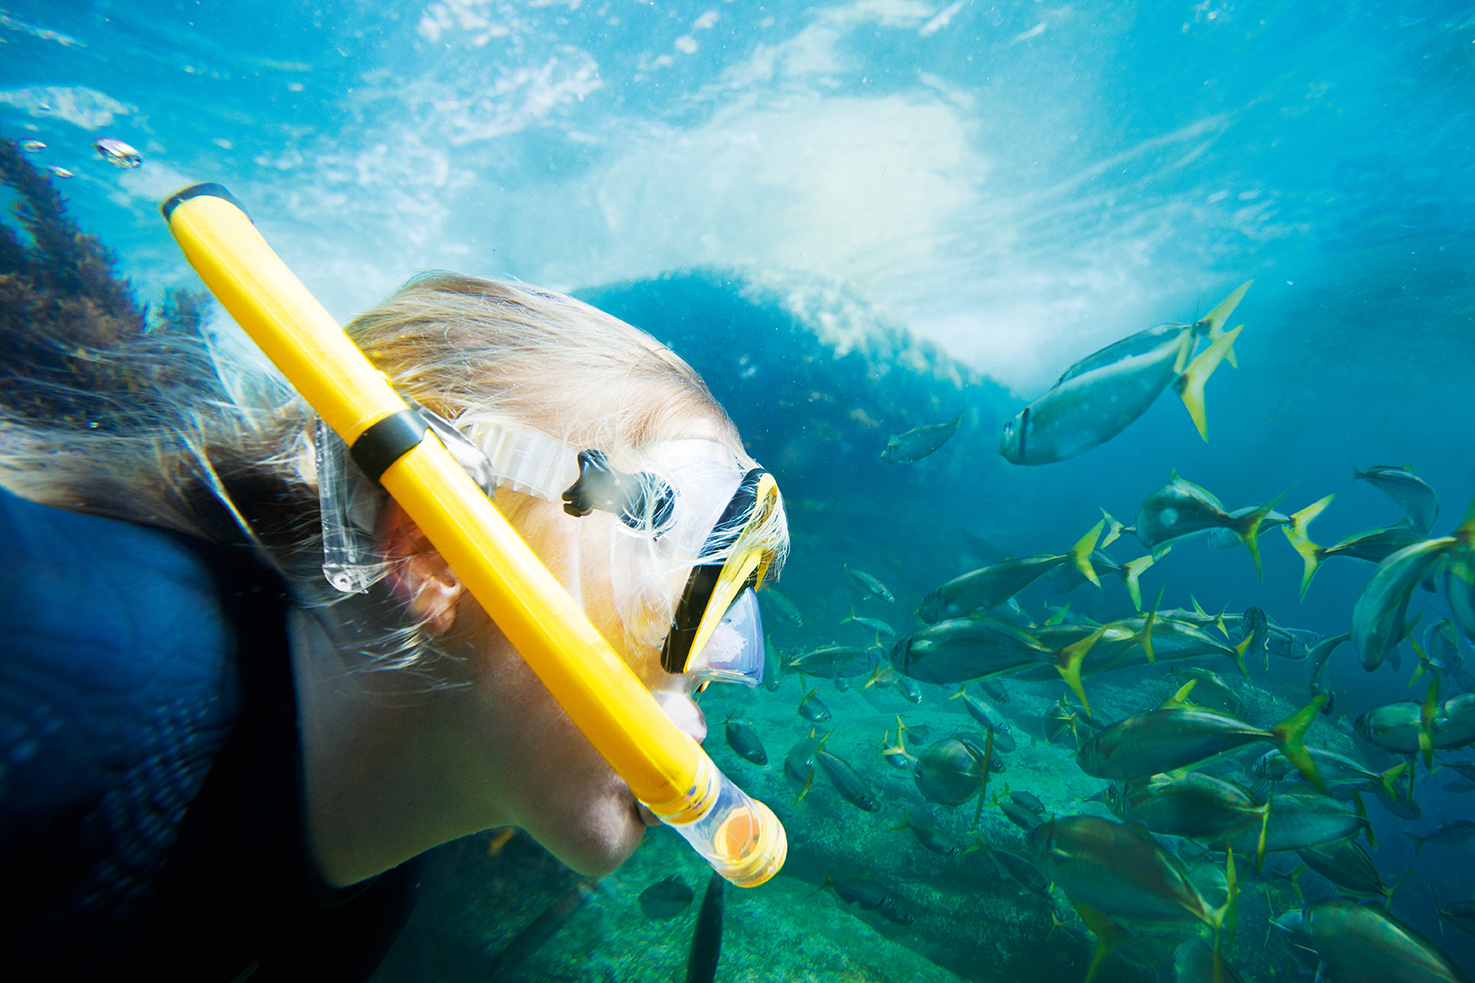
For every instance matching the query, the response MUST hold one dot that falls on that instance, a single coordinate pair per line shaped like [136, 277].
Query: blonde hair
[228, 456]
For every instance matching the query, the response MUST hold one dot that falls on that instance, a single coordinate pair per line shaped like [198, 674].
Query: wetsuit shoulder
[116, 692]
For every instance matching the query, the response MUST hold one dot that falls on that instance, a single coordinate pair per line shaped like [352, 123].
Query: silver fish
[1405, 488]
[1120, 872]
[32, 146]
[1181, 509]
[1372, 545]
[59, 171]
[847, 781]
[870, 895]
[744, 739]
[1458, 831]
[918, 443]
[930, 837]
[1348, 866]
[117, 153]
[1178, 735]
[871, 584]
[991, 586]
[787, 609]
[1105, 392]
[1378, 616]
[1359, 943]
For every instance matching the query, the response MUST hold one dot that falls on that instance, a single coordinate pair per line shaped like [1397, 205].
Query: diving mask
[690, 506]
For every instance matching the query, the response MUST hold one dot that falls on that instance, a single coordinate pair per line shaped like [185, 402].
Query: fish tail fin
[1068, 663]
[1058, 616]
[1079, 555]
[1388, 893]
[1212, 323]
[1264, 833]
[1389, 777]
[1418, 841]
[1239, 654]
[1367, 826]
[1438, 908]
[1427, 714]
[988, 762]
[1466, 532]
[828, 883]
[808, 784]
[1113, 529]
[1247, 528]
[1180, 698]
[1296, 881]
[1132, 575]
[1224, 920]
[1288, 736]
[906, 822]
[1297, 533]
[1144, 637]
[1190, 384]
[1108, 935]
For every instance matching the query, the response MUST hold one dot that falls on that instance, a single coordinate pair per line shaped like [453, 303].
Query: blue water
[1017, 183]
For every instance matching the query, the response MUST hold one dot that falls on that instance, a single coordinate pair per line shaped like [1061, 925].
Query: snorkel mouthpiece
[665, 769]
[739, 836]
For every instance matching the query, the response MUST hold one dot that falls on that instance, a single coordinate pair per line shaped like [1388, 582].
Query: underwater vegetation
[63, 307]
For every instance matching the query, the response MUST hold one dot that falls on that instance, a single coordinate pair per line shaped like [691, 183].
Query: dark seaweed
[67, 317]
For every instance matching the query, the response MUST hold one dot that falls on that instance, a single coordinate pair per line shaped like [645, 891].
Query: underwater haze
[859, 219]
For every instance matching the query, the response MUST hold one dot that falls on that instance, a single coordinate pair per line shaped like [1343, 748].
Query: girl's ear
[419, 576]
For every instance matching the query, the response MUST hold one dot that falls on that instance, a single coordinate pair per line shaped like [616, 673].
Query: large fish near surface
[1378, 617]
[1102, 394]
[990, 586]
[1177, 735]
[1405, 488]
[1356, 943]
[1372, 545]
[1180, 509]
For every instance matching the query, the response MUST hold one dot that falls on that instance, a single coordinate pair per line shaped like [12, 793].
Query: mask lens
[734, 653]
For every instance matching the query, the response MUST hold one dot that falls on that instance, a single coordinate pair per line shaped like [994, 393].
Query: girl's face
[551, 781]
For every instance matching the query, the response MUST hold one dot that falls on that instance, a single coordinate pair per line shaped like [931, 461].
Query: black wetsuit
[151, 798]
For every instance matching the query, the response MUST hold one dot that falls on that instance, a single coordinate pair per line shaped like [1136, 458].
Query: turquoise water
[855, 219]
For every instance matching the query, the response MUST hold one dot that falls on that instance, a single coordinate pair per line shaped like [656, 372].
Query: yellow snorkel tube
[668, 771]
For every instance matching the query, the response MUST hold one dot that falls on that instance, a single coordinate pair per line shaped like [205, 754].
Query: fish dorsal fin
[1180, 698]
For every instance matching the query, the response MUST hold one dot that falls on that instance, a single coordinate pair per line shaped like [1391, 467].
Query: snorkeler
[221, 763]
